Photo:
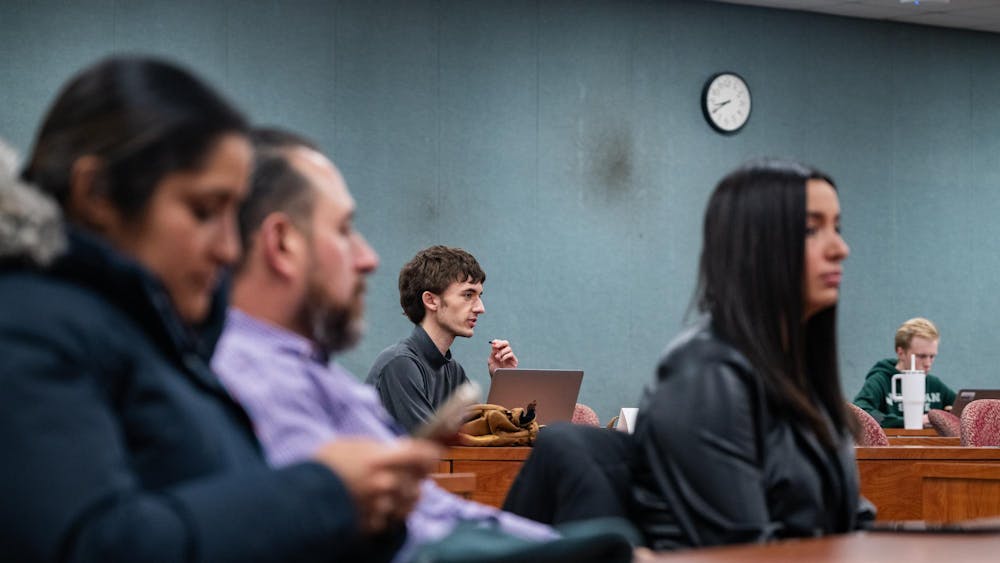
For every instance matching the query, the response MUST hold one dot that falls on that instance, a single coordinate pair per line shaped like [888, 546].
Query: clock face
[726, 102]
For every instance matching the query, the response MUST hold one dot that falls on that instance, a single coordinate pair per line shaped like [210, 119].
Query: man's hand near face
[501, 356]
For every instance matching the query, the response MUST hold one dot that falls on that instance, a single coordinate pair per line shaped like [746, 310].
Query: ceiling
[979, 15]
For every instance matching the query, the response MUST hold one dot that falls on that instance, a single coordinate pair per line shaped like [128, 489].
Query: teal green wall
[562, 143]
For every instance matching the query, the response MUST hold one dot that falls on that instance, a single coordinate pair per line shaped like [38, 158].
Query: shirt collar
[276, 336]
[428, 349]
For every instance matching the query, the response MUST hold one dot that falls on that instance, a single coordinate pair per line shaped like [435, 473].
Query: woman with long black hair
[744, 435]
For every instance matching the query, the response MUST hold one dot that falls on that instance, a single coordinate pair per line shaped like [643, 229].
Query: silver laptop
[554, 390]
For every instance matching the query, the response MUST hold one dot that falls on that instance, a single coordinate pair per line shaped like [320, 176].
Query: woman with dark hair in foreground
[119, 442]
[744, 435]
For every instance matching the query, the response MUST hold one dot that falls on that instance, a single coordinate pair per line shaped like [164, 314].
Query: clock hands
[719, 105]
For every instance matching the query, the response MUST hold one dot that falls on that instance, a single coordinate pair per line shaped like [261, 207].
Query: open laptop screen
[966, 396]
[554, 391]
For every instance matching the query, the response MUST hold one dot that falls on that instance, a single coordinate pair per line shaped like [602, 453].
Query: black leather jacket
[717, 465]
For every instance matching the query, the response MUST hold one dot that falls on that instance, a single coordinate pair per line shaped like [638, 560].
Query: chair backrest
[585, 415]
[981, 423]
[945, 423]
[871, 433]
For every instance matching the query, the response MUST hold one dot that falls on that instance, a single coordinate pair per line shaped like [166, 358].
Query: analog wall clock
[725, 101]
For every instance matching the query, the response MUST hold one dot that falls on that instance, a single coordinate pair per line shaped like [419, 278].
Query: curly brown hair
[434, 269]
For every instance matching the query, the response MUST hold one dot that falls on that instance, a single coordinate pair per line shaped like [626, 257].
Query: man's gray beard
[332, 328]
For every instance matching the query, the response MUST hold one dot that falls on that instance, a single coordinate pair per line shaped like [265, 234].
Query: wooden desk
[946, 483]
[925, 441]
[495, 469]
[866, 547]
[461, 484]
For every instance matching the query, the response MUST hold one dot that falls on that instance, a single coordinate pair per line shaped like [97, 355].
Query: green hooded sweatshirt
[874, 395]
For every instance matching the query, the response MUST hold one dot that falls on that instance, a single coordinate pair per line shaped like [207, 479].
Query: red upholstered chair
[981, 423]
[871, 433]
[585, 415]
[945, 423]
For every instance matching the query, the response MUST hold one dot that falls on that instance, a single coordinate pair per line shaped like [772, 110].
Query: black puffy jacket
[118, 442]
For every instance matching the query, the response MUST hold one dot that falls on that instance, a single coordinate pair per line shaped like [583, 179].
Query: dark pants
[574, 473]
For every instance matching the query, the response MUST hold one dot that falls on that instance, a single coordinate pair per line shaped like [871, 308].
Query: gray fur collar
[31, 227]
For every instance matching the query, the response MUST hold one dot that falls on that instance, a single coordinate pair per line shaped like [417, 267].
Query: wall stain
[612, 155]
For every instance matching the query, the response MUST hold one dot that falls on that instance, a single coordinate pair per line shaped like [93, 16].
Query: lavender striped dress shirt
[298, 401]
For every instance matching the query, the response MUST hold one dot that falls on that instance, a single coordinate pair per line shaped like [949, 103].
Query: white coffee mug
[626, 419]
[912, 397]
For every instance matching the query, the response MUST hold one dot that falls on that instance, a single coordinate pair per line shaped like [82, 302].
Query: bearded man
[298, 298]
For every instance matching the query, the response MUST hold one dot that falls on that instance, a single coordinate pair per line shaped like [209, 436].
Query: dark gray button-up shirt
[413, 378]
